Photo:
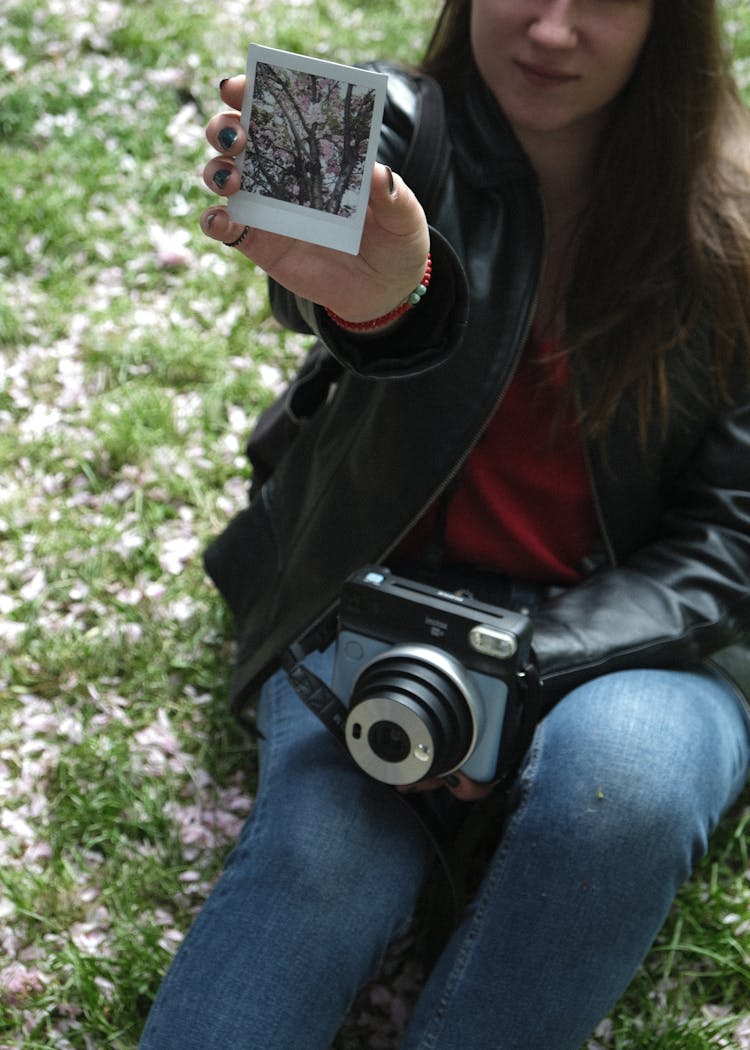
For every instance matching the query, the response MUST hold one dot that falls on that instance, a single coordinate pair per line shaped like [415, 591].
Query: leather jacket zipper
[603, 531]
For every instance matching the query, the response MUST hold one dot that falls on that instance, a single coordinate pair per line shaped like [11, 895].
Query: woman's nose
[554, 24]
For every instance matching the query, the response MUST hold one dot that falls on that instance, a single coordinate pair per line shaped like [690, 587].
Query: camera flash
[489, 641]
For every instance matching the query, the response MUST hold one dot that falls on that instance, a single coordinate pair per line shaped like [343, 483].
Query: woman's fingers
[222, 176]
[266, 250]
[231, 90]
[228, 138]
[459, 785]
[226, 134]
[217, 225]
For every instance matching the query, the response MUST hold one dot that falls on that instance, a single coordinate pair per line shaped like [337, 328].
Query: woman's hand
[458, 784]
[395, 239]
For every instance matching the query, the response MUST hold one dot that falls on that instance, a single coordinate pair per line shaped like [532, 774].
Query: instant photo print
[312, 133]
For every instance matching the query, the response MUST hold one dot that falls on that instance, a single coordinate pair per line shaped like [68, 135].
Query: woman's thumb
[396, 208]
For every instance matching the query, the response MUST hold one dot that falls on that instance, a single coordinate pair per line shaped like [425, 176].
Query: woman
[565, 416]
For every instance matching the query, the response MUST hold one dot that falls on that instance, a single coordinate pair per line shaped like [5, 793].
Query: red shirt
[523, 503]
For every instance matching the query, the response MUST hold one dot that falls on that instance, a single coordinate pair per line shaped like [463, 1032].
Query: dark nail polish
[227, 138]
[451, 780]
[222, 177]
[222, 82]
[391, 183]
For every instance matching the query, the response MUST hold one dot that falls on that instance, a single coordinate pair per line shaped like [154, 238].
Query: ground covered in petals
[134, 356]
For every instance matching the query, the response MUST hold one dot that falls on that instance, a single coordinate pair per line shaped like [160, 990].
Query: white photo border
[344, 233]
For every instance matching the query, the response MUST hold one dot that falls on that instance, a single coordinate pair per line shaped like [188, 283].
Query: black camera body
[429, 678]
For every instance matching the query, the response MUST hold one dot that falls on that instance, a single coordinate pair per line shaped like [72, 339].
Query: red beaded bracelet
[379, 322]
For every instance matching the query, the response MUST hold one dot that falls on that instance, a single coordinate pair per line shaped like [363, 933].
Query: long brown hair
[664, 247]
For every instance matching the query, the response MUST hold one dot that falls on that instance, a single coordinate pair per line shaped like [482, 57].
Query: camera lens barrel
[414, 712]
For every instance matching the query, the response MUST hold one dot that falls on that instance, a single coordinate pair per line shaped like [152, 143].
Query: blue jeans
[625, 781]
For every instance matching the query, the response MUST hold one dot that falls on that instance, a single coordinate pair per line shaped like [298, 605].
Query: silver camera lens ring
[374, 712]
[369, 714]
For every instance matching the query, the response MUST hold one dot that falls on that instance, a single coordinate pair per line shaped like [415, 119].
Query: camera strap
[314, 692]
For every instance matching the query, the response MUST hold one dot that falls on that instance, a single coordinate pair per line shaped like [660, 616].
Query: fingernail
[222, 177]
[227, 138]
[451, 780]
[209, 218]
[222, 82]
[391, 183]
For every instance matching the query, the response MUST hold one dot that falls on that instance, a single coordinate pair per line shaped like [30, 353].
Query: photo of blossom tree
[308, 138]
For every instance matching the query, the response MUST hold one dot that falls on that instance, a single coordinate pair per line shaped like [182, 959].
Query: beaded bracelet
[379, 322]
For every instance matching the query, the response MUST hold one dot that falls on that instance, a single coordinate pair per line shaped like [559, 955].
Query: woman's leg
[626, 779]
[325, 874]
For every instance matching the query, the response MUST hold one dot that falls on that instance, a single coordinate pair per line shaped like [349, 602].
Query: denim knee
[647, 760]
[360, 841]
[325, 831]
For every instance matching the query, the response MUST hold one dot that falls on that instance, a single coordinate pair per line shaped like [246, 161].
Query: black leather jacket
[670, 586]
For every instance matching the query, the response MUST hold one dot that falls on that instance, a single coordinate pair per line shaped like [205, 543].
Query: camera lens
[411, 715]
[389, 741]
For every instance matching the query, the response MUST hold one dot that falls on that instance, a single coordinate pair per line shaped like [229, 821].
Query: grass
[133, 357]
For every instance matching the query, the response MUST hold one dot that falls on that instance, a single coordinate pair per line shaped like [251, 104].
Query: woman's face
[557, 65]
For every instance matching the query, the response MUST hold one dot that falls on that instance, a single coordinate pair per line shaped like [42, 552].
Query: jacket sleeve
[426, 336]
[676, 600]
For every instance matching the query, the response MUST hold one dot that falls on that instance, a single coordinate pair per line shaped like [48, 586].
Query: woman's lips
[544, 76]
